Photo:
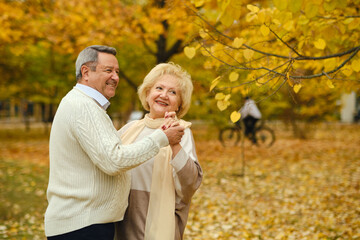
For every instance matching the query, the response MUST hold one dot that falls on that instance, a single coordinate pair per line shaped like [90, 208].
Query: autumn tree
[41, 39]
[21, 30]
[301, 51]
[145, 33]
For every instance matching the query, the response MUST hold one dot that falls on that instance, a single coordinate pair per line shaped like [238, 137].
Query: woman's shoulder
[126, 126]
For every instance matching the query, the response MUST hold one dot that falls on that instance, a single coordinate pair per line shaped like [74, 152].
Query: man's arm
[99, 139]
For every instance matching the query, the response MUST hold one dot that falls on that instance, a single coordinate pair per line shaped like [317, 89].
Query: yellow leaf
[205, 52]
[228, 13]
[220, 96]
[329, 83]
[235, 116]
[251, 76]
[227, 97]
[329, 64]
[303, 20]
[233, 76]
[217, 50]
[295, 6]
[189, 52]
[262, 80]
[320, 44]
[290, 82]
[354, 25]
[329, 6]
[289, 25]
[252, 8]
[355, 65]
[264, 30]
[198, 3]
[17, 51]
[280, 4]
[222, 105]
[202, 33]
[251, 16]
[214, 83]
[347, 72]
[244, 91]
[262, 16]
[311, 10]
[297, 88]
[280, 235]
[248, 54]
[225, 4]
[348, 20]
[276, 21]
[238, 42]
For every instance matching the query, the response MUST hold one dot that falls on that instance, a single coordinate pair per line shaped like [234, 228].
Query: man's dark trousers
[104, 231]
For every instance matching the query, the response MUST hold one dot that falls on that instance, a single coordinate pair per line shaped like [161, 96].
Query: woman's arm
[187, 170]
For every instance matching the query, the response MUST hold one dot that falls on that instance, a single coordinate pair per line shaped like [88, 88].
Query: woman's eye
[160, 88]
[173, 92]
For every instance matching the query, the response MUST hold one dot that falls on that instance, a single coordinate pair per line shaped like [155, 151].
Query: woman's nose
[163, 94]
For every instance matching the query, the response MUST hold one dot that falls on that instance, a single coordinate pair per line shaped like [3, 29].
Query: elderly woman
[161, 189]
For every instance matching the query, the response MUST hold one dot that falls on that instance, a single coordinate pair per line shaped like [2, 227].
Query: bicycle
[231, 135]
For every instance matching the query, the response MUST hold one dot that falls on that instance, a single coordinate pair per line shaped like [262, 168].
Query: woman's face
[164, 96]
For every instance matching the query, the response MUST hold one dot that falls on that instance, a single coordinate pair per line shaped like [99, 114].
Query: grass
[23, 201]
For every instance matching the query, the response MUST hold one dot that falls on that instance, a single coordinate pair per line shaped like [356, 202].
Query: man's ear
[85, 72]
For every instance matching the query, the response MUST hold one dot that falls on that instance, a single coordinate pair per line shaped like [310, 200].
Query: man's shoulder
[74, 100]
[76, 96]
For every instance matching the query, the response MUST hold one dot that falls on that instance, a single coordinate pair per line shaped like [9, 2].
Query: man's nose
[115, 76]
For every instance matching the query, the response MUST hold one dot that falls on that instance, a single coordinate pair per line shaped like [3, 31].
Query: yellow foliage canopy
[276, 43]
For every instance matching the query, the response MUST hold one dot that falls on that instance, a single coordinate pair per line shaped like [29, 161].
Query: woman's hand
[173, 130]
[170, 115]
[170, 120]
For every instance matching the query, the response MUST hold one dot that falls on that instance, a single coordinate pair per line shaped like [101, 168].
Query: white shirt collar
[96, 95]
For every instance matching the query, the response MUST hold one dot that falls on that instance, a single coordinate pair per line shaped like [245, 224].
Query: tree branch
[128, 80]
[278, 37]
[301, 57]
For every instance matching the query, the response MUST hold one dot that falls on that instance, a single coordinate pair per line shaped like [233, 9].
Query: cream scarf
[160, 220]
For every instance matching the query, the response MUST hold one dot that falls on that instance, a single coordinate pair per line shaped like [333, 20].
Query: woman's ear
[147, 94]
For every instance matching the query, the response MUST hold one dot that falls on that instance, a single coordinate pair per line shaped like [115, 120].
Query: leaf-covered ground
[297, 189]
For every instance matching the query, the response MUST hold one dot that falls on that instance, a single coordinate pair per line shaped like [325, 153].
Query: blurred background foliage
[235, 41]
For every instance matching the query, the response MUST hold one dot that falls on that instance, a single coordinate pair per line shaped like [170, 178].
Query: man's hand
[174, 133]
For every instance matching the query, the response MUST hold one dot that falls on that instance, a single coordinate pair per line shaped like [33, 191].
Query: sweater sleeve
[187, 170]
[98, 138]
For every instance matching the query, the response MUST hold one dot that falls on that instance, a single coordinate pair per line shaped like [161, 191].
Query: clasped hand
[172, 128]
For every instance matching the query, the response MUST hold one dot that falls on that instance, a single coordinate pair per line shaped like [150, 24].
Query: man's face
[105, 79]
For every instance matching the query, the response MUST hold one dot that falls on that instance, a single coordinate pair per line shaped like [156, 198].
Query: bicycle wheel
[265, 136]
[229, 136]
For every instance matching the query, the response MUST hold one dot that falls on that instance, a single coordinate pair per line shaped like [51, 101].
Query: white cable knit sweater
[88, 182]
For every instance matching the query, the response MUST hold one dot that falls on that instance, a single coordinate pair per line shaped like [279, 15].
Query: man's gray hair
[90, 55]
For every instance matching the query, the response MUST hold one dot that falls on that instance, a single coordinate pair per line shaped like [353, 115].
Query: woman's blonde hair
[184, 80]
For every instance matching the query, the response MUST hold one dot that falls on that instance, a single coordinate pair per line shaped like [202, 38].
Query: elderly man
[88, 183]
